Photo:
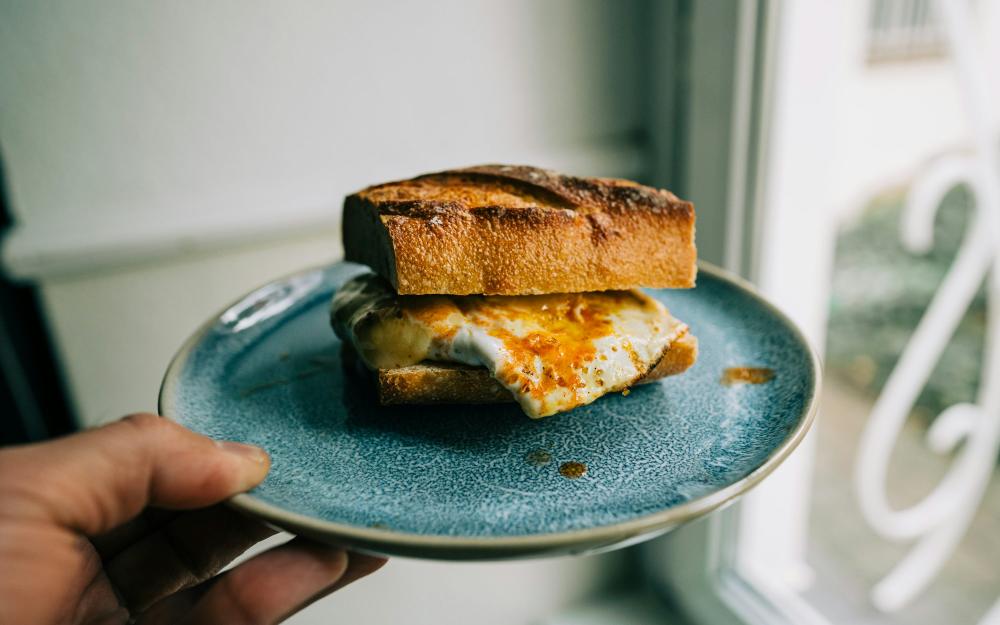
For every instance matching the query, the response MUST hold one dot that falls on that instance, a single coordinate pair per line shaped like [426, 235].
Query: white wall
[129, 122]
[892, 117]
[164, 158]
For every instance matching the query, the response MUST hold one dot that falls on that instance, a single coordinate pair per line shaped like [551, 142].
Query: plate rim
[387, 540]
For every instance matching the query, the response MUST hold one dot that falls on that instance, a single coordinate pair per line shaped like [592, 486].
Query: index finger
[96, 480]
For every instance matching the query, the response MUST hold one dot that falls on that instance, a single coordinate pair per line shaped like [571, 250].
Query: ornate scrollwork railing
[938, 522]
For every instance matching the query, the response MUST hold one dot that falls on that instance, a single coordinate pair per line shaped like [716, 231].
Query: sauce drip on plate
[538, 457]
[747, 375]
[572, 469]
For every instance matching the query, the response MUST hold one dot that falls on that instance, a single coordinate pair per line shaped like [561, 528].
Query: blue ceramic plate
[470, 482]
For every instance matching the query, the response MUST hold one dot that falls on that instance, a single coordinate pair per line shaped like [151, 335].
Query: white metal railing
[938, 522]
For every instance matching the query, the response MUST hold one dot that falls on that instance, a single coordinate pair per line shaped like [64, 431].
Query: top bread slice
[518, 230]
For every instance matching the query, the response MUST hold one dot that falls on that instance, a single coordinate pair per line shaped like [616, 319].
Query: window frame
[713, 568]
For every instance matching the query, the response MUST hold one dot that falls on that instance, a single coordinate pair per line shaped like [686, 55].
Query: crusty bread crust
[517, 230]
[447, 383]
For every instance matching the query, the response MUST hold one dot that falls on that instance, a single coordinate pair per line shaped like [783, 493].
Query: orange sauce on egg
[558, 330]
[562, 331]
[434, 311]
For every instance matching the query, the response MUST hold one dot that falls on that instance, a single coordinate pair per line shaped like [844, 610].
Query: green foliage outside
[880, 292]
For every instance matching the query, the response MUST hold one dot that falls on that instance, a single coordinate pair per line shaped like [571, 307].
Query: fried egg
[552, 352]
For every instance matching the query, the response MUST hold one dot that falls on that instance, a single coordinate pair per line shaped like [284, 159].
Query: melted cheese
[553, 352]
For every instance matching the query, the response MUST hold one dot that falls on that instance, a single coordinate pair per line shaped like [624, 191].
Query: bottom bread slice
[447, 383]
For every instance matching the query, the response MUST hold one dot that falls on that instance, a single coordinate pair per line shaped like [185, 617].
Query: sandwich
[506, 283]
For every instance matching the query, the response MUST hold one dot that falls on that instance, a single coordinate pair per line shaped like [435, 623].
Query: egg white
[390, 331]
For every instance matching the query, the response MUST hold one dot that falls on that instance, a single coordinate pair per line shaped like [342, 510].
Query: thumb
[99, 479]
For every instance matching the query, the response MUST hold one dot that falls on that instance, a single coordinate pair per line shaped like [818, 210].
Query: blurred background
[159, 160]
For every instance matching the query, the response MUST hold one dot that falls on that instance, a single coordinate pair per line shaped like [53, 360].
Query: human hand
[79, 542]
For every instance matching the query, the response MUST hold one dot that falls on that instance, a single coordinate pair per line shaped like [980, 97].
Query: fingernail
[248, 452]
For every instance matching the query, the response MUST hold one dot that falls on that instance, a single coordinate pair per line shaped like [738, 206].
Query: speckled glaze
[476, 482]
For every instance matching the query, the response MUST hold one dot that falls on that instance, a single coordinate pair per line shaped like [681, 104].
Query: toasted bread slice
[517, 230]
[448, 383]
